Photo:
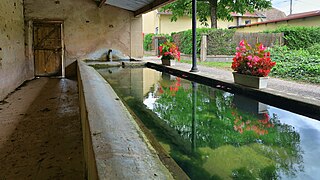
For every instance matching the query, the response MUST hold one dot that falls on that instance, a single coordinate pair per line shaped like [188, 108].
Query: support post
[156, 45]
[194, 38]
[203, 50]
[290, 7]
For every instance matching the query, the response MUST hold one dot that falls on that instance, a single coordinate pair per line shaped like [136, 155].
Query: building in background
[272, 14]
[160, 22]
[307, 19]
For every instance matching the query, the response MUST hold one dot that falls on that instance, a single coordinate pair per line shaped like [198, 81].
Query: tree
[216, 9]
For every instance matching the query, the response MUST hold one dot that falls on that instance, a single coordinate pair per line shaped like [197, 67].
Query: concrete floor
[40, 131]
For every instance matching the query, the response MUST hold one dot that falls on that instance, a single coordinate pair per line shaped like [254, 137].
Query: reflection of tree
[170, 108]
[263, 146]
[219, 124]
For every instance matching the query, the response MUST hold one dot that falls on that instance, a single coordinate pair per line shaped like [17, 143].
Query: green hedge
[164, 38]
[295, 64]
[148, 40]
[314, 49]
[219, 41]
[299, 37]
[185, 37]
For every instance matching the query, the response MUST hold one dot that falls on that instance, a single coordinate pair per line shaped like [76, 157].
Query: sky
[298, 6]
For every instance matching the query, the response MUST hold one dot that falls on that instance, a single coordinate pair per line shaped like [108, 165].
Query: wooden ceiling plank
[102, 2]
[155, 4]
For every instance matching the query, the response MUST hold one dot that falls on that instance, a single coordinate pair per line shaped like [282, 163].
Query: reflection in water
[194, 110]
[213, 134]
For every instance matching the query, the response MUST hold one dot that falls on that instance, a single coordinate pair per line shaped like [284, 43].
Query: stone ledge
[114, 145]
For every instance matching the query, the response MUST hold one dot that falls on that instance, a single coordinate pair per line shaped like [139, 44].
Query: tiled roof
[304, 14]
[272, 14]
[288, 18]
[247, 14]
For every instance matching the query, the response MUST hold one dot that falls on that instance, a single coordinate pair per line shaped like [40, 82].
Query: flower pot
[168, 62]
[250, 81]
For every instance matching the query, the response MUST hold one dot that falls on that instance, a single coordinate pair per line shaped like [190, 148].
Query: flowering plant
[169, 50]
[252, 61]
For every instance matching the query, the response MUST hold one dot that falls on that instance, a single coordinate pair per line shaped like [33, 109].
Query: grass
[222, 65]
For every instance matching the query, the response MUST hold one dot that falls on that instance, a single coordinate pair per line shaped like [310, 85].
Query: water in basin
[213, 134]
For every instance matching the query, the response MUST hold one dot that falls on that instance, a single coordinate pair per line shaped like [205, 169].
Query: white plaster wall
[12, 54]
[89, 31]
[149, 22]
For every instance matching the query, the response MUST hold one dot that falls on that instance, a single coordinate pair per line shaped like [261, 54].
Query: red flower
[169, 50]
[252, 61]
[242, 43]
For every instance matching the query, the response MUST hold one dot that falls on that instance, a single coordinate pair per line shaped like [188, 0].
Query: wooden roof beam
[154, 5]
[102, 2]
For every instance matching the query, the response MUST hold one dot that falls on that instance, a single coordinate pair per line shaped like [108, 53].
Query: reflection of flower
[252, 61]
[160, 90]
[173, 87]
[258, 126]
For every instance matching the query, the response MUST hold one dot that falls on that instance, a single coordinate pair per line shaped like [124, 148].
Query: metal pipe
[109, 55]
[194, 37]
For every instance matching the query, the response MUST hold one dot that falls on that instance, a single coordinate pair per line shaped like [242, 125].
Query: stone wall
[90, 31]
[13, 68]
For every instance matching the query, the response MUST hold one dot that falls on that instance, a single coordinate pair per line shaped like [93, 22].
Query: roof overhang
[288, 18]
[138, 7]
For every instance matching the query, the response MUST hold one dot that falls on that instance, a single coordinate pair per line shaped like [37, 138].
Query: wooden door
[47, 48]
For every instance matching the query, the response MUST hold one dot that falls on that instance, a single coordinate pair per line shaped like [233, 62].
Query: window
[247, 21]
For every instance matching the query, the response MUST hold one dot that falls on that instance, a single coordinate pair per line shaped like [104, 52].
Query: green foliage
[219, 41]
[148, 39]
[166, 37]
[186, 40]
[268, 173]
[222, 9]
[147, 42]
[295, 64]
[299, 37]
[314, 49]
[242, 174]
